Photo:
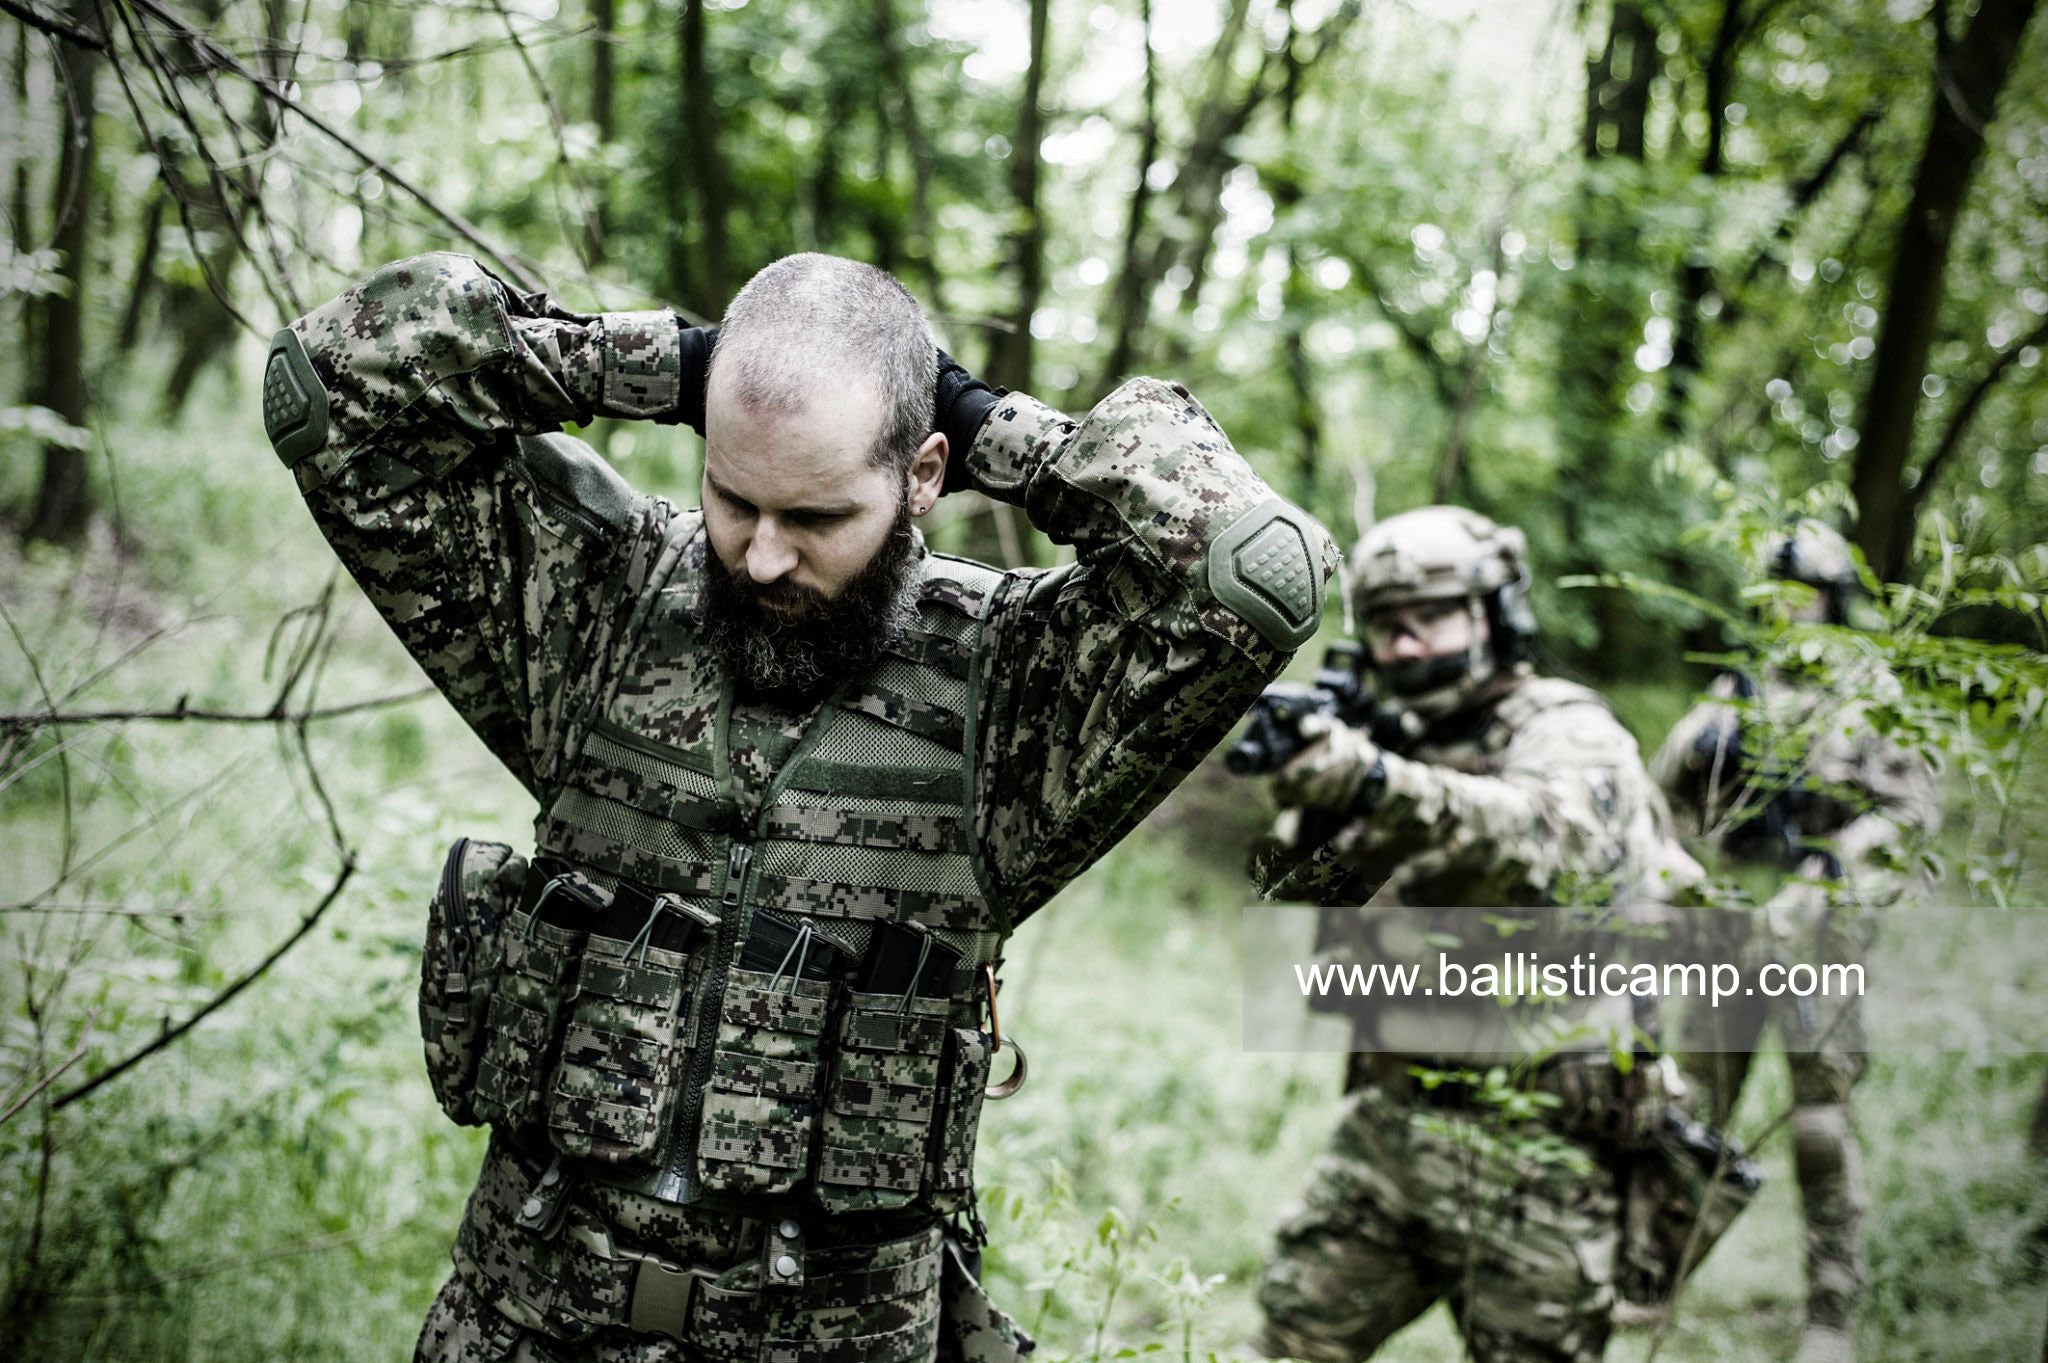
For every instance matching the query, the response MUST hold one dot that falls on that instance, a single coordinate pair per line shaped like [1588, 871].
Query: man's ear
[927, 473]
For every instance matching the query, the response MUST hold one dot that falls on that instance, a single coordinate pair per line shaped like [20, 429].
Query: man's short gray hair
[804, 324]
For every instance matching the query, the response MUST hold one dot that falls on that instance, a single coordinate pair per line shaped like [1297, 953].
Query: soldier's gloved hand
[960, 404]
[1341, 769]
[695, 345]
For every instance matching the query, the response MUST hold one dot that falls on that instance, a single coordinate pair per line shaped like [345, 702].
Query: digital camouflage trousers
[1825, 1049]
[1515, 1224]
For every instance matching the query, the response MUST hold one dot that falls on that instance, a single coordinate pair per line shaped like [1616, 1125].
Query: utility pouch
[480, 882]
[542, 943]
[972, 1328]
[760, 1106]
[880, 1101]
[882, 1089]
[1682, 1189]
[625, 1043]
[949, 1172]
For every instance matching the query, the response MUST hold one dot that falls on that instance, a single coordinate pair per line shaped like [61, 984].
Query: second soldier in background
[1494, 787]
[1785, 772]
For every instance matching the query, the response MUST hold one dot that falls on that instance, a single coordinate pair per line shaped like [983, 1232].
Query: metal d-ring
[1014, 1080]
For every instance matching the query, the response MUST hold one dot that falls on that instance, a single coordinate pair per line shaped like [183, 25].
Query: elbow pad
[1266, 569]
[294, 400]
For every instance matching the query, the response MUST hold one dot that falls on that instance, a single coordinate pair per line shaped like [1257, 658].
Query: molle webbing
[794, 1084]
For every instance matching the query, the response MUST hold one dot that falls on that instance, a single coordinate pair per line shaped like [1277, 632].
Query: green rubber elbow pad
[1264, 568]
[294, 400]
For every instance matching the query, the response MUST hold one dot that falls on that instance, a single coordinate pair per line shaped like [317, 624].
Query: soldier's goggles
[1419, 620]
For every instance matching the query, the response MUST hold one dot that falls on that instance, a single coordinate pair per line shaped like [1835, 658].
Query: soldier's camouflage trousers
[1515, 1224]
[550, 1269]
[1825, 1050]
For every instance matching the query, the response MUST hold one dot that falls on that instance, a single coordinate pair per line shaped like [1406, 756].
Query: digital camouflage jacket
[1534, 797]
[555, 607]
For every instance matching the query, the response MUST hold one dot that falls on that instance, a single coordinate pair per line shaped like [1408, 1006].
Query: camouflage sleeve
[1877, 848]
[1105, 682]
[1569, 818]
[1698, 767]
[410, 410]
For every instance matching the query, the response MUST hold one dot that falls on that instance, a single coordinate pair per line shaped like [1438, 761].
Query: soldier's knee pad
[1824, 1078]
[1821, 1140]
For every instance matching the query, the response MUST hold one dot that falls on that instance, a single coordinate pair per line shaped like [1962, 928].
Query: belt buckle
[661, 1296]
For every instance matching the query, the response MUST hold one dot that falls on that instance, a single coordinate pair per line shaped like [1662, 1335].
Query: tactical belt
[687, 1305]
[665, 1299]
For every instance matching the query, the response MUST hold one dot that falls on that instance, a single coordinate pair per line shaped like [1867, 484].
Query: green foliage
[1476, 305]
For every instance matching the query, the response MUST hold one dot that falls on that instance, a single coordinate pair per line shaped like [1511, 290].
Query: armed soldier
[797, 777]
[1491, 786]
[1788, 774]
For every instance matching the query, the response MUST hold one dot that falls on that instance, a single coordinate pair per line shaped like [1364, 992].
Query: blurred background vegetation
[1612, 270]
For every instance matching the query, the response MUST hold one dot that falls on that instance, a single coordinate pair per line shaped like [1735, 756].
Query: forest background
[1642, 278]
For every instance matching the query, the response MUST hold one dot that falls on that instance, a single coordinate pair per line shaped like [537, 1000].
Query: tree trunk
[1130, 297]
[1696, 279]
[922, 245]
[706, 168]
[64, 499]
[1605, 303]
[144, 277]
[603, 118]
[1969, 73]
[1010, 353]
[20, 195]
[1308, 424]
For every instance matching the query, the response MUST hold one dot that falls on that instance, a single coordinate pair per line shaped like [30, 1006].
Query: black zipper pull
[736, 874]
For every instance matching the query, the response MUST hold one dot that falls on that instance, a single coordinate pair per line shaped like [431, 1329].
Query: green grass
[279, 1184]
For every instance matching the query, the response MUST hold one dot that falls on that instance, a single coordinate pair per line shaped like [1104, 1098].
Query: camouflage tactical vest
[790, 1006]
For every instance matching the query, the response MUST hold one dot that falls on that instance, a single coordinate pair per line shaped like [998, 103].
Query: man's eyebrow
[834, 509]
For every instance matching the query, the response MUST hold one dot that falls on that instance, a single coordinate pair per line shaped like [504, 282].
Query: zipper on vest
[455, 911]
[673, 1184]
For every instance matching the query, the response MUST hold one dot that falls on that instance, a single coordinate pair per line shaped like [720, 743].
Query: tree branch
[1966, 411]
[593, 229]
[31, 719]
[77, 1054]
[56, 28]
[219, 1000]
[219, 58]
[1809, 188]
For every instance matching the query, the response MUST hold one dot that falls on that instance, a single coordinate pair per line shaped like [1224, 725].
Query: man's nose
[770, 556]
[1407, 646]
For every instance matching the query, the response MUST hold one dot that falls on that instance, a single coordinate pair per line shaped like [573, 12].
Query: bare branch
[217, 56]
[172, 181]
[56, 28]
[77, 1054]
[36, 719]
[221, 999]
[1966, 411]
[593, 229]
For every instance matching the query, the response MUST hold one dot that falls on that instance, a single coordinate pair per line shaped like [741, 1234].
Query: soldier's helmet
[1441, 553]
[1433, 553]
[1816, 554]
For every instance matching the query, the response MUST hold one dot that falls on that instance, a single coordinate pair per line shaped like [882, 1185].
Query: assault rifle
[1273, 735]
[1767, 828]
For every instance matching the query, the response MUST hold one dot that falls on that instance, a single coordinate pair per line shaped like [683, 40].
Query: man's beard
[786, 643]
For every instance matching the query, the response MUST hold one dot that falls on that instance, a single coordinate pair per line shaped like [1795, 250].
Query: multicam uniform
[1853, 797]
[1532, 795]
[786, 1144]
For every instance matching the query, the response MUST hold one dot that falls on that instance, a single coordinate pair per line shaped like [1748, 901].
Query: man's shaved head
[808, 325]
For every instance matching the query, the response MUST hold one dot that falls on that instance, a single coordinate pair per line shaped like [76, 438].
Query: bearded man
[798, 778]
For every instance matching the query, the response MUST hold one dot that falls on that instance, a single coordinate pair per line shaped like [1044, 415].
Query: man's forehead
[810, 457]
